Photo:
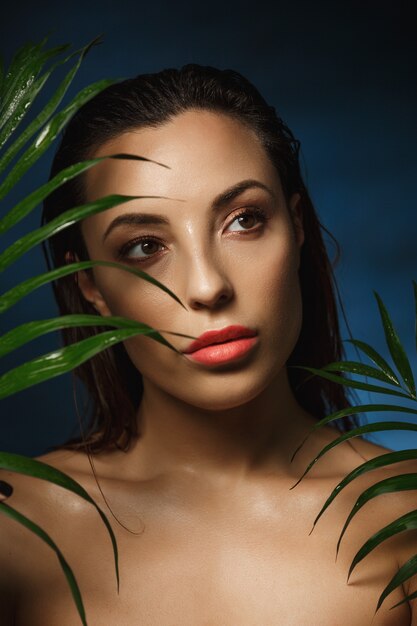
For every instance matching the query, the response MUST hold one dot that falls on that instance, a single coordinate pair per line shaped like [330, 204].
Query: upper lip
[219, 336]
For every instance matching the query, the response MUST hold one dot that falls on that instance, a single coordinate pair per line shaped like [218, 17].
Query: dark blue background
[343, 77]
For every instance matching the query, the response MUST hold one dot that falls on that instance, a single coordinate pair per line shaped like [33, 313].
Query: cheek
[279, 296]
[273, 274]
[133, 297]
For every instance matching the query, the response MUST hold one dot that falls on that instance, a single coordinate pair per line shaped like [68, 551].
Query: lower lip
[223, 352]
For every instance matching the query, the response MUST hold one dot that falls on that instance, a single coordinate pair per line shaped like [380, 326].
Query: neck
[233, 445]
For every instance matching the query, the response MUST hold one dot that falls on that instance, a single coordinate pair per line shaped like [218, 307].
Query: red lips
[219, 336]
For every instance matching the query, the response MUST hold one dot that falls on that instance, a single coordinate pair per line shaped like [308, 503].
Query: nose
[207, 283]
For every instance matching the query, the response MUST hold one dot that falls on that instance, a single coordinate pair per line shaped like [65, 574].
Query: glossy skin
[222, 540]
[222, 274]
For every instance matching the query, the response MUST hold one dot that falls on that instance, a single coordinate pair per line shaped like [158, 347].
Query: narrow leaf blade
[12, 513]
[383, 460]
[354, 367]
[48, 134]
[29, 331]
[48, 110]
[64, 360]
[65, 220]
[403, 523]
[396, 349]
[376, 358]
[37, 469]
[356, 384]
[403, 482]
[354, 410]
[11, 297]
[30, 202]
[406, 571]
[356, 432]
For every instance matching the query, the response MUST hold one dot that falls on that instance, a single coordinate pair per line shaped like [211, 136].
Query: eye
[144, 248]
[248, 218]
[131, 250]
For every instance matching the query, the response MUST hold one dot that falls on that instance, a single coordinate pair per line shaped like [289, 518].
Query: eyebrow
[221, 200]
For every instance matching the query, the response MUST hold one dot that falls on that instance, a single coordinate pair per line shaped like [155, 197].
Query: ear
[297, 218]
[88, 287]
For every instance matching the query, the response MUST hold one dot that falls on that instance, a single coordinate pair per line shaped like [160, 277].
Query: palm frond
[49, 133]
[49, 109]
[393, 484]
[19, 87]
[22, 85]
[396, 349]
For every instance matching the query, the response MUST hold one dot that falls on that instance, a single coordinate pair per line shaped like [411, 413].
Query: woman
[192, 450]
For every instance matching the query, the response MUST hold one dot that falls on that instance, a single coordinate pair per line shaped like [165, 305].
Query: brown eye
[248, 218]
[247, 221]
[140, 249]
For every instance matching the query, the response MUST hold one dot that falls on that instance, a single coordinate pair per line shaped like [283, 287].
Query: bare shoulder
[42, 502]
[29, 490]
[388, 507]
[368, 449]
[59, 513]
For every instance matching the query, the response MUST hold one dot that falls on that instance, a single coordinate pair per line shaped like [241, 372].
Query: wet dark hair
[150, 100]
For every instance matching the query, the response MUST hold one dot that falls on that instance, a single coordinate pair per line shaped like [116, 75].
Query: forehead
[205, 152]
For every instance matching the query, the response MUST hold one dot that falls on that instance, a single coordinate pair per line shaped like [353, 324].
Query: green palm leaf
[37, 469]
[356, 432]
[31, 201]
[49, 133]
[22, 108]
[403, 482]
[396, 349]
[24, 67]
[65, 359]
[49, 109]
[353, 367]
[6, 509]
[11, 297]
[29, 331]
[353, 410]
[18, 90]
[391, 484]
[404, 573]
[383, 460]
[405, 522]
[376, 358]
[66, 219]
[356, 384]
[22, 86]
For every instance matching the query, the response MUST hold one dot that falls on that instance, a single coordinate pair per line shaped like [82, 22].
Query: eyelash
[123, 253]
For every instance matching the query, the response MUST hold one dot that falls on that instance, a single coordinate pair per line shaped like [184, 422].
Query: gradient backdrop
[342, 76]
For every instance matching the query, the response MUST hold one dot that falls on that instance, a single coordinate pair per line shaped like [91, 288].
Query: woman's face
[227, 271]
